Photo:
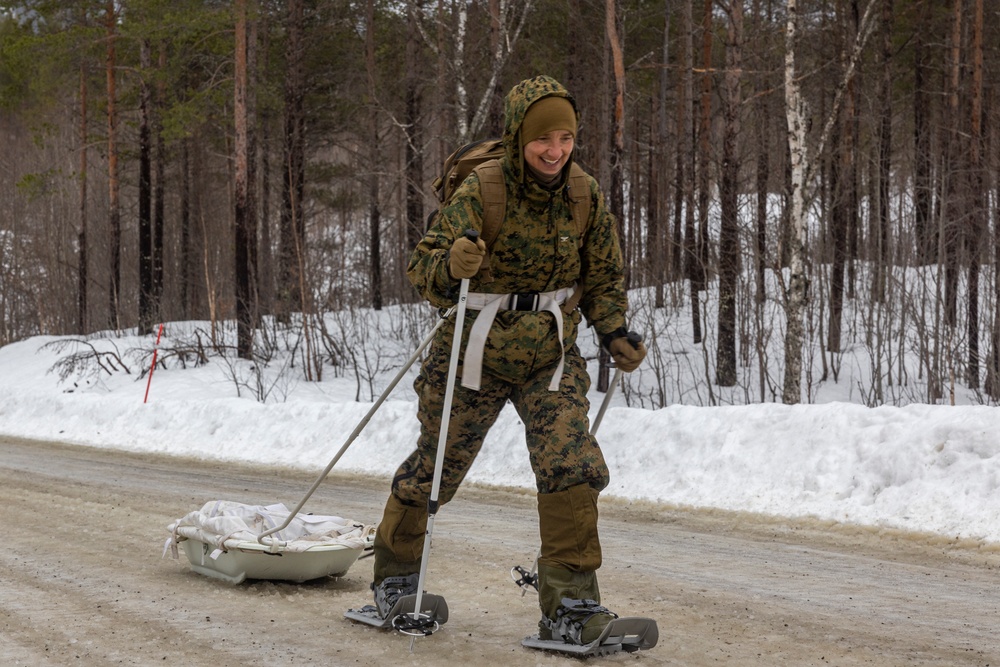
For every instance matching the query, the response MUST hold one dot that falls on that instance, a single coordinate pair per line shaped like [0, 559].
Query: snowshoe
[395, 602]
[576, 624]
[433, 607]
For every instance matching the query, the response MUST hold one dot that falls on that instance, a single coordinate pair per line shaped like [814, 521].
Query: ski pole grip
[471, 234]
[634, 338]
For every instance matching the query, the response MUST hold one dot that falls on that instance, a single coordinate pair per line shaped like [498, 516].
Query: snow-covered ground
[919, 467]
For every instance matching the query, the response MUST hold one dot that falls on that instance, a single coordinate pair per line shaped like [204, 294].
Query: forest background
[800, 185]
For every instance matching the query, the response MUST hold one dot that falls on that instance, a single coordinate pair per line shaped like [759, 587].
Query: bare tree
[729, 234]
[951, 229]
[686, 165]
[292, 225]
[977, 215]
[114, 208]
[699, 277]
[802, 168]
[616, 194]
[245, 210]
[795, 303]
[763, 167]
[923, 189]
[374, 212]
[660, 249]
[413, 126]
[993, 361]
[145, 193]
[882, 240]
[159, 181]
[843, 209]
[81, 238]
[507, 23]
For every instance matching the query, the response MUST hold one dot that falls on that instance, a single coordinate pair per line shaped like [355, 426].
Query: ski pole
[606, 402]
[357, 431]
[634, 339]
[416, 626]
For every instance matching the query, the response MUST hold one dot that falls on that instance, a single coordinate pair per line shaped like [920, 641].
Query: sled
[221, 542]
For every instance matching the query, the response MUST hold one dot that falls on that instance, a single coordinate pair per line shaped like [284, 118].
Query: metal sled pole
[417, 626]
[357, 431]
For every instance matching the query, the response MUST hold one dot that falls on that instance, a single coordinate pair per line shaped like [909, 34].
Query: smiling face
[548, 154]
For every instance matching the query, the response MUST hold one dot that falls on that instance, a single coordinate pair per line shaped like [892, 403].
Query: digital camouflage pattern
[538, 249]
[562, 452]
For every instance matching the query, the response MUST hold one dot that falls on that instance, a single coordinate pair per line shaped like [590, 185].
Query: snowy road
[82, 581]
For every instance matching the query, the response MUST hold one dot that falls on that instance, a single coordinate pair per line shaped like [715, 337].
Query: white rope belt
[488, 306]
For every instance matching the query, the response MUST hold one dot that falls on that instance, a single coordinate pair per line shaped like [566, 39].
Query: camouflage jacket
[537, 248]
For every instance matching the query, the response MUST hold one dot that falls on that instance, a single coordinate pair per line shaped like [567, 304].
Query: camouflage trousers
[561, 449]
[565, 457]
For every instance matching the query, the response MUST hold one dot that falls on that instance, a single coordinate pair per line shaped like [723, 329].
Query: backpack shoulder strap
[579, 202]
[494, 194]
[579, 197]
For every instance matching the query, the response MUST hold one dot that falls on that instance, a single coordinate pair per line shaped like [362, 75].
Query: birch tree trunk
[505, 30]
[800, 175]
[461, 93]
[795, 298]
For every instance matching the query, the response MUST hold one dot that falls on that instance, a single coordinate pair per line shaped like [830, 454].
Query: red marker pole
[152, 366]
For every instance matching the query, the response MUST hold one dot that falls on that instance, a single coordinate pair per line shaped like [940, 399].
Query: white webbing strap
[488, 306]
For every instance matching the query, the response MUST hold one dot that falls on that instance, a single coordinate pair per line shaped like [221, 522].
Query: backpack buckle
[523, 301]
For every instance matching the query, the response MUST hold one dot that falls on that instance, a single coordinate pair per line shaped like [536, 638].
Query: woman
[545, 272]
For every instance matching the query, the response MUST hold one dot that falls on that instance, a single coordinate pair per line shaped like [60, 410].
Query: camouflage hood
[516, 104]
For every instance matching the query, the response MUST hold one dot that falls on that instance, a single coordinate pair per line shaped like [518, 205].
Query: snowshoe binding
[524, 579]
[395, 607]
[584, 628]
